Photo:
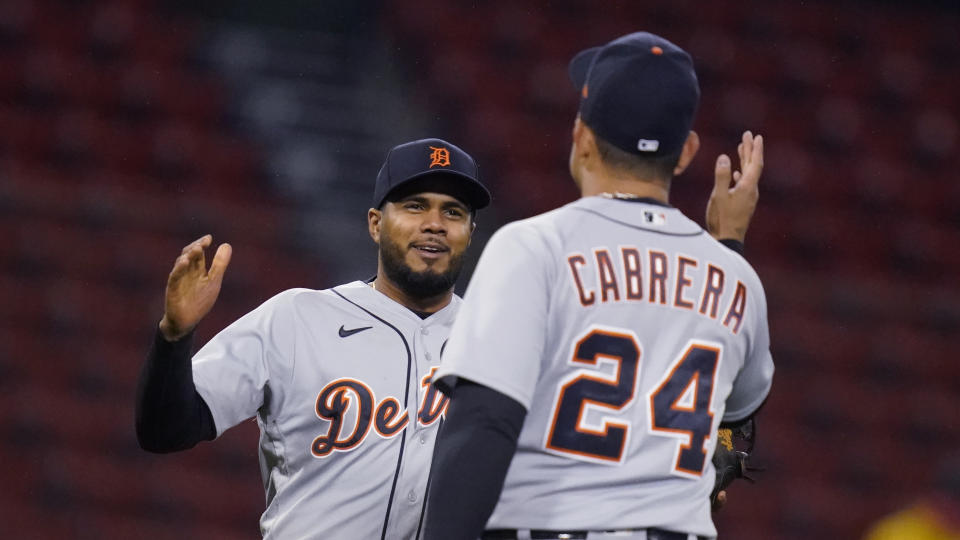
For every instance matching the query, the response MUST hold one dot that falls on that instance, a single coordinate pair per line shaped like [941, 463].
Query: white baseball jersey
[627, 333]
[338, 381]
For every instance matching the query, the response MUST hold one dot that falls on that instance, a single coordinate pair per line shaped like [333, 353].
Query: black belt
[511, 534]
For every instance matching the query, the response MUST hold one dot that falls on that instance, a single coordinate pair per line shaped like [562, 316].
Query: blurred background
[130, 127]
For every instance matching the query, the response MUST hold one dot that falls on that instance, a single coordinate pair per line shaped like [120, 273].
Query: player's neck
[596, 183]
[422, 305]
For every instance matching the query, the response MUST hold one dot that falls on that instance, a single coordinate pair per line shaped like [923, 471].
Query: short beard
[420, 285]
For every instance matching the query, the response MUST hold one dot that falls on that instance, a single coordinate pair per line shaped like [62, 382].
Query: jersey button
[427, 356]
[423, 439]
[425, 331]
[412, 497]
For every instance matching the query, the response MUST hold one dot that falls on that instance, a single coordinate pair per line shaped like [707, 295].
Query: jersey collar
[362, 293]
[642, 213]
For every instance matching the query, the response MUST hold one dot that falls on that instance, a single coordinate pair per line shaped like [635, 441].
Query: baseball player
[602, 344]
[337, 378]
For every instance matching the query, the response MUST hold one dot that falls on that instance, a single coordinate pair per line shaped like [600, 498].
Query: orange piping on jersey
[587, 298]
[386, 411]
[683, 282]
[615, 382]
[431, 408]
[606, 277]
[711, 292]
[694, 381]
[363, 420]
[685, 445]
[632, 274]
[737, 306]
[658, 277]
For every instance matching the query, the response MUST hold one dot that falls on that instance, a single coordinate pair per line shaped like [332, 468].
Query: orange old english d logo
[440, 156]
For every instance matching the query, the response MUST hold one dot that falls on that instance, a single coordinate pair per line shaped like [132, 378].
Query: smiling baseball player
[338, 379]
[601, 345]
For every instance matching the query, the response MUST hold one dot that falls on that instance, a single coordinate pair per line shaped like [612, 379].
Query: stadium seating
[113, 155]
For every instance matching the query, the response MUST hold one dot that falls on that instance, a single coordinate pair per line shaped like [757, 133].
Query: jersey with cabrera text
[339, 382]
[627, 333]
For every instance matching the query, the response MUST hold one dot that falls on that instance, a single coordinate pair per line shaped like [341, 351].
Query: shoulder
[739, 262]
[537, 234]
[299, 298]
[291, 296]
[742, 270]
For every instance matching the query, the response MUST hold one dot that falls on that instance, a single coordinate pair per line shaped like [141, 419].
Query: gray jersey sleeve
[507, 298]
[232, 371]
[752, 384]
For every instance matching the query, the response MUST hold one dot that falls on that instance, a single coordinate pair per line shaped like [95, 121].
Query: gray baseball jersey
[627, 333]
[338, 381]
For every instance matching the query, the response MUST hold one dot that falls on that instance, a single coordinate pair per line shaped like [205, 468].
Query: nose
[433, 222]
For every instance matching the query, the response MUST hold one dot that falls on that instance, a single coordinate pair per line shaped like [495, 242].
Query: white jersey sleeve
[753, 382]
[509, 292]
[233, 369]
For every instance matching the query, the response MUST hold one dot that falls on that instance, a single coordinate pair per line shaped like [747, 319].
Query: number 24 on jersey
[679, 406]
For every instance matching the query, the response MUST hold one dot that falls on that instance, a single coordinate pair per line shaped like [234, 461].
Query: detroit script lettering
[387, 417]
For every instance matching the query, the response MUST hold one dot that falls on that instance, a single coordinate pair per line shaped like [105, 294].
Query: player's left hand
[719, 501]
[735, 193]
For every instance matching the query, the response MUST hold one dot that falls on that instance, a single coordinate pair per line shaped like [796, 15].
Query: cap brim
[465, 188]
[580, 66]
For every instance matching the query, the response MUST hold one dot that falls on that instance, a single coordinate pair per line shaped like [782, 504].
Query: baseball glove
[730, 462]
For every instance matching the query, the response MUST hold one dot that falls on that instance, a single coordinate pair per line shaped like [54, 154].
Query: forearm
[473, 453]
[170, 414]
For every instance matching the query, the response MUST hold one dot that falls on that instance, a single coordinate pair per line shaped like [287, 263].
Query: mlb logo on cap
[646, 145]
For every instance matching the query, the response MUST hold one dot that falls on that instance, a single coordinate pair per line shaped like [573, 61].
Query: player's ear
[580, 134]
[374, 217]
[690, 147]
[585, 144]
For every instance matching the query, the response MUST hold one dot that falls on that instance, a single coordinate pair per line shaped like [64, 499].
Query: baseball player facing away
[601, 344]
[337, 378]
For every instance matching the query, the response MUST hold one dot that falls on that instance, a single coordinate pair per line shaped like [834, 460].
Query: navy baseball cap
[639, 93]
[431, 165]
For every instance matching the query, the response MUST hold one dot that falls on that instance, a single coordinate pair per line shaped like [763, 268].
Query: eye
[413, 205]
[455, 213]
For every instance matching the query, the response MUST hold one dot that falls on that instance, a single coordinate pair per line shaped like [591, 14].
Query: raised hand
[735, 194]
[191, 288]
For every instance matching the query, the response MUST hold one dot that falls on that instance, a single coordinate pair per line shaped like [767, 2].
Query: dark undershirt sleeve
[734, 245]
[170, 414]
[470, 461]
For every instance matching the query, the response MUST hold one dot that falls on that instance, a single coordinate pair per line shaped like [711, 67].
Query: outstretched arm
[170, 414]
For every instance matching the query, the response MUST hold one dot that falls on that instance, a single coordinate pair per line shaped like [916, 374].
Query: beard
[425, 284]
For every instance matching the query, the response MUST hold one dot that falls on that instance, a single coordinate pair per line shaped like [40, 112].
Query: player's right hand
[191, 288]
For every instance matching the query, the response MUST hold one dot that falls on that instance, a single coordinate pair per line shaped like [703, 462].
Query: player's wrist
[730, 233]
[170, 331]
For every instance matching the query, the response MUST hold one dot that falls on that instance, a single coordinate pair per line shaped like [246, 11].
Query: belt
[535, 534]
